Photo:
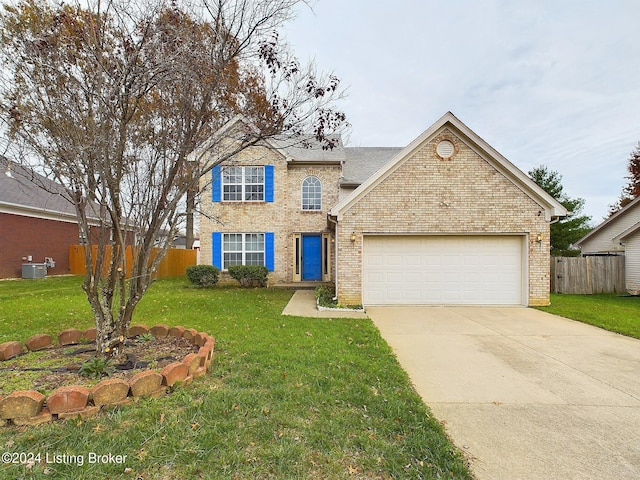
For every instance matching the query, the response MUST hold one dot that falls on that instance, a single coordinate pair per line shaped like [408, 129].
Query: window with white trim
[311, 194]
[242, 249]
[243, 184]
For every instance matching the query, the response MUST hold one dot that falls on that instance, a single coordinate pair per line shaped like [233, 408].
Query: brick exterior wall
[463, 195]
[424, 195]
[21, 236]
[284, 216]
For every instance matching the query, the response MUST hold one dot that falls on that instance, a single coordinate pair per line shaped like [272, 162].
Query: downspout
[335, 254]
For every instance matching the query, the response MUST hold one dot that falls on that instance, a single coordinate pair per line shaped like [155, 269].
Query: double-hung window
[311, 194]
[243, 184]
[242, 249]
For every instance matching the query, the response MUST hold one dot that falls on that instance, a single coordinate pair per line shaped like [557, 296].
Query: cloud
[544, 82]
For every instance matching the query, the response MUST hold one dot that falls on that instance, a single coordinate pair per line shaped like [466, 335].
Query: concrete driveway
[527, 395]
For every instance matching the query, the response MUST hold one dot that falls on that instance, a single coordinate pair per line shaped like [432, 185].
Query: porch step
[297, 285]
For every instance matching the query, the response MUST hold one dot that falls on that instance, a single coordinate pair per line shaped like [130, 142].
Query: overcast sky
[545, 82]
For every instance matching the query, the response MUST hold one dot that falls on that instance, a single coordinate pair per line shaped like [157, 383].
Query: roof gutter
[35, 212]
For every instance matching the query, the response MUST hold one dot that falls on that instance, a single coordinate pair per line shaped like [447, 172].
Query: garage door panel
[471, 260]
[394, 278]
[451, 260]
[393, 260]
[413, 276]
[432, 262]
[442, 270]
[412, 295]
[375, 260]
[374, 277]
[413, 260]
[395, 296]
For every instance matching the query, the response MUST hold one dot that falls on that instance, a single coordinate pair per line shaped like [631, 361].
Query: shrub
[249, 275]
[325, 294]
[203, 275]
[97, 368]
[145, 337]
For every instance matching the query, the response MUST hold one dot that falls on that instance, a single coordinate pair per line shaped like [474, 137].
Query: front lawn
[286, 397]
[616, 313]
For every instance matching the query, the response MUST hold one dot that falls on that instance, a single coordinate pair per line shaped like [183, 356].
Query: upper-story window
[243, 184]
[311, 194]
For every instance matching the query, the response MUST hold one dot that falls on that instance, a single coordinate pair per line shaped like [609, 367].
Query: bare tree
[118, 101]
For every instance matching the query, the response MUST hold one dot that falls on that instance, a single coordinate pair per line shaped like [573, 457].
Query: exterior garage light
[353, 237]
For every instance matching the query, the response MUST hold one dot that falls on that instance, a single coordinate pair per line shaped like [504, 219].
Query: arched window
[311, 194]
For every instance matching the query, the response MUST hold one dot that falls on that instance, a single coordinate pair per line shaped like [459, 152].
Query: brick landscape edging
[30, 407]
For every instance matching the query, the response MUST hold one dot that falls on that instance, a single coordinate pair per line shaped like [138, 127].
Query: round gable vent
[445, 149]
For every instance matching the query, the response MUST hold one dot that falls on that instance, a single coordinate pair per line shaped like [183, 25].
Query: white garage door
[443, 270]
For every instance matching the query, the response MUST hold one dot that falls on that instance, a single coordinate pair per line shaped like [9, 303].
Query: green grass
[286, 397]
[46, 305]
[620, 314]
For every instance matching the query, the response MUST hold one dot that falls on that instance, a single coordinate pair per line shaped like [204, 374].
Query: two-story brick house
[445, 220]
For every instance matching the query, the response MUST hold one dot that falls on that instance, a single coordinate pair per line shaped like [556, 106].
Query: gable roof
[25, 192]
[552, 207]
[629, 209]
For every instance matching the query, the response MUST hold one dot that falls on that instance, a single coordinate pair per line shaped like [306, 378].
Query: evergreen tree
[567, 231]
[632, 189]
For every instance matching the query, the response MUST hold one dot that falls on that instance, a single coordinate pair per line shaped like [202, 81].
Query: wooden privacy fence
[174, 263]
[587, 275]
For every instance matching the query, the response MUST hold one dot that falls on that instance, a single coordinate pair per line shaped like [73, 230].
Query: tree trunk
[110, 331]
[110, 336]
[191, 206]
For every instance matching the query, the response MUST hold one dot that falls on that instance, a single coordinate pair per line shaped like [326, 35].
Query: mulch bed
[58, 366]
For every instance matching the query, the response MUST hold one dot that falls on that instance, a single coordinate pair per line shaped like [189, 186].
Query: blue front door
[311, 257]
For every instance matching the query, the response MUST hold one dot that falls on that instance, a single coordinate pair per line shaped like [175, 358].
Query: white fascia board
[628, 232]
[15, 209]
[21, 210]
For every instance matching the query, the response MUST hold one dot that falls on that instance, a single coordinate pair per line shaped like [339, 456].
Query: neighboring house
[180, 242]
[618, 235]
[36, 221]
[446, 220]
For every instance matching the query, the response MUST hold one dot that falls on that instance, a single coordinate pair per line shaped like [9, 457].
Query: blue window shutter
[268, 183]
[216, 245]
[216, 183]
[269, 253]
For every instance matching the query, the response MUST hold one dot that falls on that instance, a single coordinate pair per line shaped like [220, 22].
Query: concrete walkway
[527, 395]
[303, 304]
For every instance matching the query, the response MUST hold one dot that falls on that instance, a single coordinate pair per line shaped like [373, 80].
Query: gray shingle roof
[306, 149]
[362, 162]
[27, 189]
